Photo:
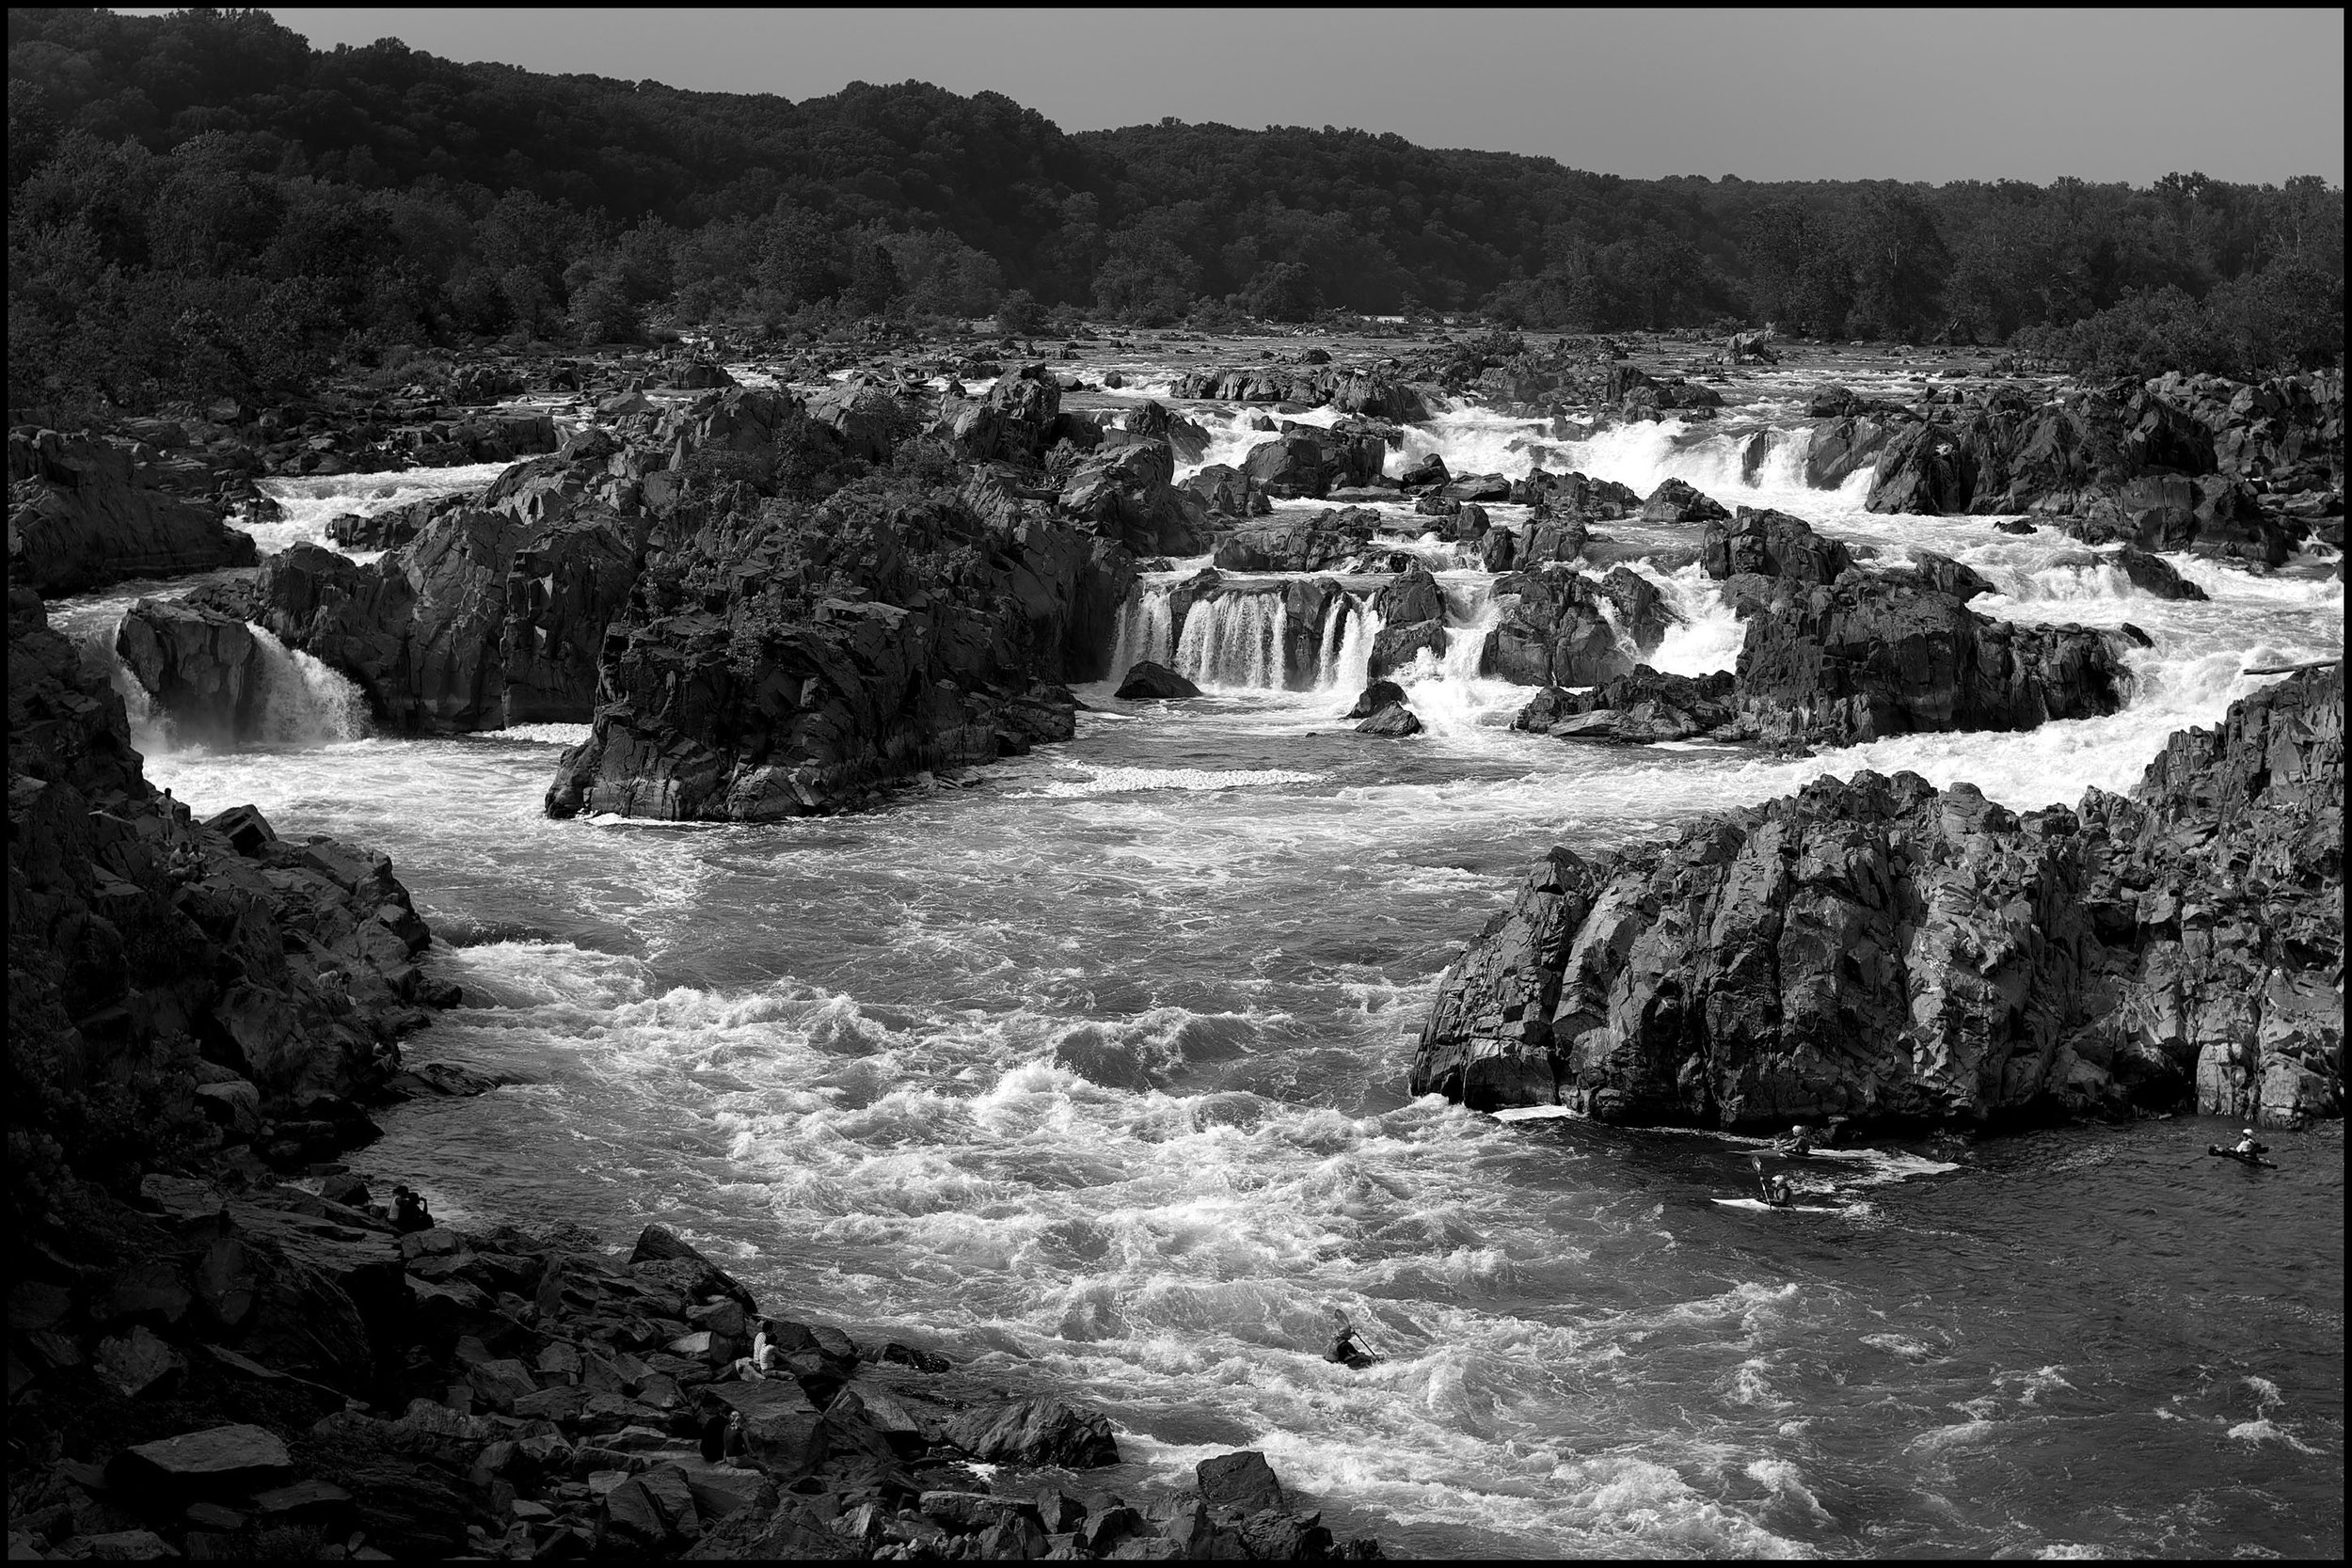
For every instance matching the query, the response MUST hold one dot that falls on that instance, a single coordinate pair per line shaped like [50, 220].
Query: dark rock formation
[1642, 705]
[531, 1394]
[1305, 462]
[1125, 492]
[1554, 630]
[791, 660]
[1296, 544]
[1872, 656]
[1761, 541]
[1678, 501]
[233, 983]
[1393, 722]
[79, 516]
[2153, 575]
[202, 667]
[1227, 492]
[1374, 697]
[1881, 949]
[1148, 682]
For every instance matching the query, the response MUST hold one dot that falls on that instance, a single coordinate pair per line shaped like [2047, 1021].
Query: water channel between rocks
[1094, 1074]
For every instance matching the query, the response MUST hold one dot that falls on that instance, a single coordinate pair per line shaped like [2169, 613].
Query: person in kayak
[2246, 1148]
[1345, 1350]
[1798, 1141]
[1774, 1188]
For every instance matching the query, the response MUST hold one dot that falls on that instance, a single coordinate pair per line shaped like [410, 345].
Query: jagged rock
[79, 518]
[1872, 656]
[1227, 492]
[2153, 573]
[1396, 647]
[1315, 544]
[1878, 948]
[1557, 627]
[1374, 697]
[1243, 1481]
[1148, 682]
[1035, 1431]
[219, 1462]
[1765, 543]
[1641, 705]
[864, 415]
[1676, 501]
[1125, 492]
[1309, 462]
[199, 666]
[1943, 575]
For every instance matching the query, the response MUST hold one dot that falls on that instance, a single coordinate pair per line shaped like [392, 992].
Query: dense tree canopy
[201, 200]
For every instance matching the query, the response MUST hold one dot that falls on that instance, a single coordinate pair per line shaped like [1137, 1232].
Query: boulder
[1760, 540]
[1125, 492]
[1035, 1431]
[1676, 501]
[1379, 694]
[1241, 1482]
[1393, 722]
[1148, 682]
[2155, 575]
[1313, 545]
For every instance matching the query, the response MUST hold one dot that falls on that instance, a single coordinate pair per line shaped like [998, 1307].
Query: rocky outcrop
[1868, 657]
[516, 1394]
[1559, 627]
[190, 981]
[1642, 706]
[1309, 462]
[1015, 421]
[1226, 491]
[1883, 950]
[1676, 501]
[793, 659]
[79, 518]
[1759, 542]
[1315, 544]
[1125, 494]
[2176, 463]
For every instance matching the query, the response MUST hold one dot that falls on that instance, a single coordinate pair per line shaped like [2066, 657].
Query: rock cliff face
[79, 518]
[1883, 950]
[218, 974]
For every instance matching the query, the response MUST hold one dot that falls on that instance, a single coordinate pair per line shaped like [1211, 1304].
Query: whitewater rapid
[1093, 1075]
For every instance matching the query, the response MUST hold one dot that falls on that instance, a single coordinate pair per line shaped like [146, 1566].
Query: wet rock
[1241, 1482]
[1760, 540]
[1396, 647]
[1943, 575]
[1125, 492]
[1227, 492]
[1309, 462]
[1676, 501]
[1374, 697]
[1318, 545]
[2153, 573]
[1147, 682]
[1393, 722]
[1035, 1431]
[1866, 658]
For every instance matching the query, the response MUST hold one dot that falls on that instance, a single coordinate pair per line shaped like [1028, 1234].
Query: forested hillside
[201, 202]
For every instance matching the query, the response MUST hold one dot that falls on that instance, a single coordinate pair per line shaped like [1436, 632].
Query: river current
[1093, 1074]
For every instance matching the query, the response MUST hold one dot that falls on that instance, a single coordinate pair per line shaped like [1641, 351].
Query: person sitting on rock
[409, 1213]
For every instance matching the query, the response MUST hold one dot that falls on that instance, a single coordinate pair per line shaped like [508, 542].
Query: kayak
[2220, 1153]
[1761, 1206]
[1357, 1362]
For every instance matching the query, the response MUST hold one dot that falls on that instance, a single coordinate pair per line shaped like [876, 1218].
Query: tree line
[200, 202]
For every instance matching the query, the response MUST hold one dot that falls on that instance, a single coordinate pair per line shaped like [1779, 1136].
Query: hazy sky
[2254, 95]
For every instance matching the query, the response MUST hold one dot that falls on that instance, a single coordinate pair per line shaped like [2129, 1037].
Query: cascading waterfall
[1352, 668]
[1234, 639]
[1143, 631]
[304, 702]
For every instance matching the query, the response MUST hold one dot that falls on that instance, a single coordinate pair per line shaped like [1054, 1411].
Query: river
[1093, 1074]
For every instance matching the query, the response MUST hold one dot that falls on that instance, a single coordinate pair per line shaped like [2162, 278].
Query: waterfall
[1235, 639]
[303, 702]
[1353, 668]
[1470, 616]
[1335, 619]
[1143, 631]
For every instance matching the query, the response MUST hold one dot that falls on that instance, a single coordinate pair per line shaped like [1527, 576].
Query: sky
[1904, 94]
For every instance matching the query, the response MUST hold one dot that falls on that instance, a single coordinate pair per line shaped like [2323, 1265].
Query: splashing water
[1095, 1077]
